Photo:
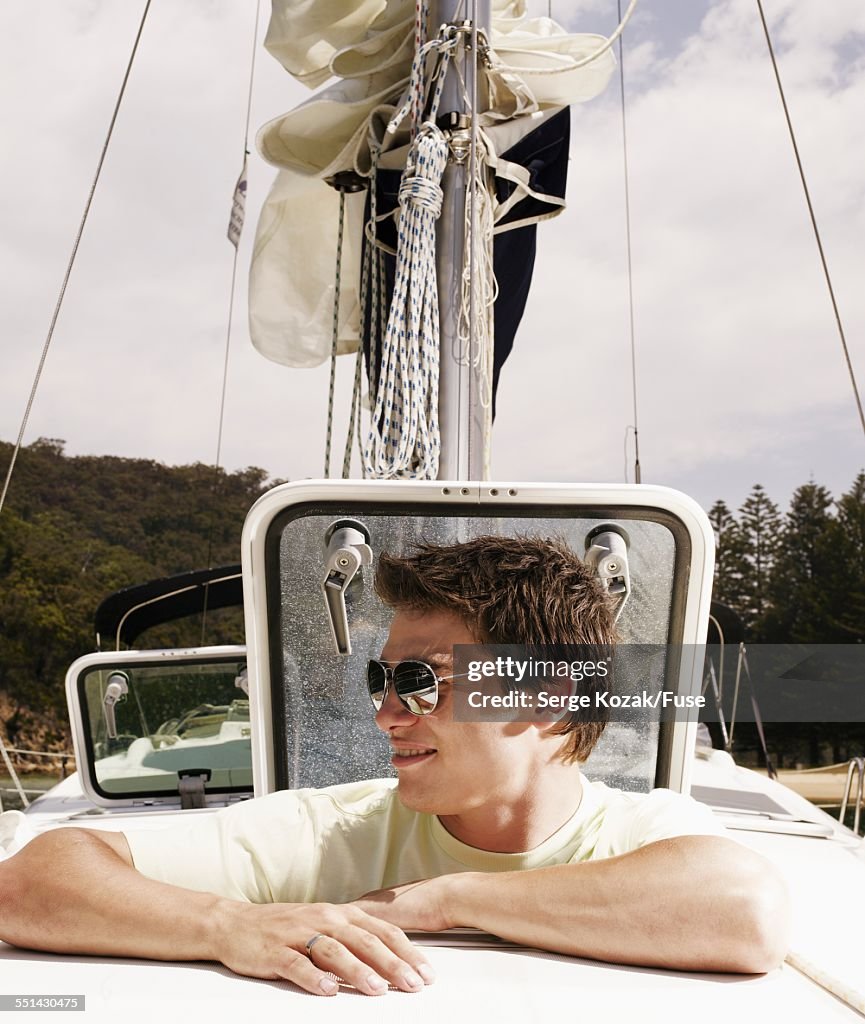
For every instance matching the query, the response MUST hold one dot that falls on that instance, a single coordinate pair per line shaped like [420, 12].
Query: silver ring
[311, 942]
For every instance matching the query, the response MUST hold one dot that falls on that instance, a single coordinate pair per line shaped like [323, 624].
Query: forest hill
[75, 529]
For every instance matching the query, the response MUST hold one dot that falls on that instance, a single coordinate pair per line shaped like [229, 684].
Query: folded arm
[691, 903]
[77, 891]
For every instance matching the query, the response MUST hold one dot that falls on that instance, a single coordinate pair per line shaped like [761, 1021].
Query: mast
[463, 417]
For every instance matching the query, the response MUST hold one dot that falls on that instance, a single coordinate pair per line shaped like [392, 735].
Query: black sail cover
[543, 153]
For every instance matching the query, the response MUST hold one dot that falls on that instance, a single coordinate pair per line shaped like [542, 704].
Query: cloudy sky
[740, 380]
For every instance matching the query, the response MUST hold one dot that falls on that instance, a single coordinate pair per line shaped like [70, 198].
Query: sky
[740, 374]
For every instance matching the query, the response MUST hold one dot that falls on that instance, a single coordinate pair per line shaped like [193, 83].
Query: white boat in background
[164, 733]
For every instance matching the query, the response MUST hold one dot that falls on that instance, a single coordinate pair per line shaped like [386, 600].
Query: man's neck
[523, 825]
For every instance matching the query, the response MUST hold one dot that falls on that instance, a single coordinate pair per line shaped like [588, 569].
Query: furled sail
[533, 69]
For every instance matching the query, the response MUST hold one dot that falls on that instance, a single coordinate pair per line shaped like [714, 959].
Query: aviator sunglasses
[415, 684]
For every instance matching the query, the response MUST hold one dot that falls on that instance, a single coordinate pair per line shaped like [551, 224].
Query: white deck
[487, 984]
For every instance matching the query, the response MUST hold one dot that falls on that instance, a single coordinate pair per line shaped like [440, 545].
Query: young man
[490, 825]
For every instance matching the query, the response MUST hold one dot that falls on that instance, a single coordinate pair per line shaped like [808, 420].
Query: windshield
[324, 718]
[147, 723]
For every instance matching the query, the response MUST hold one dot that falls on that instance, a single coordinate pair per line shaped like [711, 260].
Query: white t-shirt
[336, 844]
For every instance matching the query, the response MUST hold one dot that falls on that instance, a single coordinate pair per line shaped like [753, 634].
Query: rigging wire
[813, 218]
[637, 475]
[71, 262]
[219, 432]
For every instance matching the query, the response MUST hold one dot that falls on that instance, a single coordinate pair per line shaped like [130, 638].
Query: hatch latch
[348, 551]
[190, 786]
[607, 555]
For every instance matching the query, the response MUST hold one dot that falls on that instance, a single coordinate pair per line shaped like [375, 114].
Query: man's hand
[415, 906]
[270, 941]
[691, 903]
[49, 901]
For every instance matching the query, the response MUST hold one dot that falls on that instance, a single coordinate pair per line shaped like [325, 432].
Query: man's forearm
[75, 891]
[68, 891]
[693, 903]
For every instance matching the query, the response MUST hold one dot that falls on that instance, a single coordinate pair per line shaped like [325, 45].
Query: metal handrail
[40, 753]
[63, 756]
[856, 764]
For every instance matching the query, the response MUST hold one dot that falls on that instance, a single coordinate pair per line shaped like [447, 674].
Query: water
[40, 781]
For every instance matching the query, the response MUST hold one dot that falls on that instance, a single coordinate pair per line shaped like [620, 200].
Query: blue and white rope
[445, 44]
[404, 440]
[416, 86]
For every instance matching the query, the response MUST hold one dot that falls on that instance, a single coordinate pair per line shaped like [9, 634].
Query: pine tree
[847, 538]
[804, 575]
[730, 561]
[760, 529]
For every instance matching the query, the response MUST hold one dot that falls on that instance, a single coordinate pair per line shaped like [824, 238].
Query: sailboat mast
[463, 416]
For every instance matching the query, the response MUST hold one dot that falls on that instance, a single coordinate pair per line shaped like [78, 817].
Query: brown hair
[508, 590]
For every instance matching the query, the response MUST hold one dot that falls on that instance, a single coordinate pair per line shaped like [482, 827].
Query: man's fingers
[308, 943]
[329, 954]
[300, 970]
[396, 940]
[392, 960]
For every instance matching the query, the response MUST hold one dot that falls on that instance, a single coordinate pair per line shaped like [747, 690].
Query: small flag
[238, 208]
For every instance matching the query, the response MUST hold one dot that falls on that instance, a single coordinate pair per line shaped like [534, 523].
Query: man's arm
[76, 891]
[689, 903]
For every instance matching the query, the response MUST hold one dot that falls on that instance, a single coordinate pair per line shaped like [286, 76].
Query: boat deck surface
[486, 983]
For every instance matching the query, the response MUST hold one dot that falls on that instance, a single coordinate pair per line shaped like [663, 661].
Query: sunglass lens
[376, 681]
[417, 686]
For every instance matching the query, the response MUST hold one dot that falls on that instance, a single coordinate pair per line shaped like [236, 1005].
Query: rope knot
[422, 192]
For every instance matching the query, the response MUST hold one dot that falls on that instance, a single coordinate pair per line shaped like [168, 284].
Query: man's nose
[393, 714]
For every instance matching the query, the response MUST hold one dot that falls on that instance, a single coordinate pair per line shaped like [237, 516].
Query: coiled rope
[403, 440]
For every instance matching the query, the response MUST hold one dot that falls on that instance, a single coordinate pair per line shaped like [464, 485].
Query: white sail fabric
[304, 35]
[369, 45]
[291, 282]
[323, 136]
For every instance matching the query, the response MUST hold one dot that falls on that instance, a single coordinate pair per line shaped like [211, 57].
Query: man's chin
[418, 798]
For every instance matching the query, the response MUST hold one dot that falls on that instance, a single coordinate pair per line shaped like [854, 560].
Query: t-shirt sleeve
[637, 820]
[254, 851]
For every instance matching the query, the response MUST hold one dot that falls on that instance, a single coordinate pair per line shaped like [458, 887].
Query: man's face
[447, 767]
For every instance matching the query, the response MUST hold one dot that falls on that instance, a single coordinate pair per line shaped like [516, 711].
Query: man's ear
[552, 701]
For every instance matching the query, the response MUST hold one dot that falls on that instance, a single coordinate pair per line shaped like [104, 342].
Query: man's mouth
[403, 757]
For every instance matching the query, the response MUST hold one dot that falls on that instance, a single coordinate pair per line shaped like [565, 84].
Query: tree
[730, 557]
[847, 551]
[760, 528]
[74, 530]
[803, 579]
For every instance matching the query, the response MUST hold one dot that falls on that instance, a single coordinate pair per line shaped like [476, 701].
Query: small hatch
[167, 728]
